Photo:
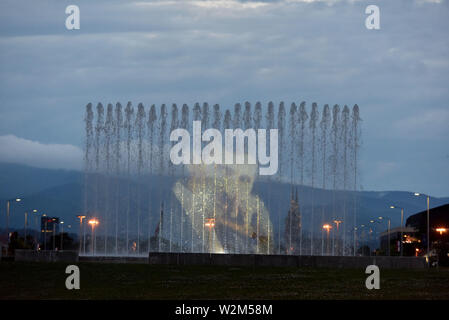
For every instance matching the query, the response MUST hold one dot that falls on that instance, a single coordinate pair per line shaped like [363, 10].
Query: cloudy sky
[228, 51]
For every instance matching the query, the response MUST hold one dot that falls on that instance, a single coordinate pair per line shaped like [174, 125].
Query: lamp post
[54, 234]
[8, 204]
[36, 239]
[362, 238]
[62, 233]
[45, 232]
[26, 223]
[388, 231]
[81, 240]
[210, 223]
[38, 229]
[337, 223]
[327, 227]
[417, 194]
[374, 230]
[93, 223]
[25, 228]
[402, 225]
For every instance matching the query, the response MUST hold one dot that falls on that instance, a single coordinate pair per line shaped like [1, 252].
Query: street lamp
[373, 230]
[26, 223]
[380, 222]
[81, 217]
[327, 227]
[388, 230]
[54, 233]
[355, 230]
[8, 204]
[402, 225]
[36, 240]
[337, 223]
[417, 194]
[210, 223]
[441, 230]
[93, 223]
[62, 232]
[45, 232]
[355, 240]
[363, 239]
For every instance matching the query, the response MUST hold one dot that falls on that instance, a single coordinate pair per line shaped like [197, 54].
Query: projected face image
[225, 215]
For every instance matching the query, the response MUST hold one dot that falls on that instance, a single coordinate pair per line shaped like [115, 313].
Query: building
[438, 231]
[3, 246]
[49, 227]
[415, 235]
[438, 217]
[410, 241]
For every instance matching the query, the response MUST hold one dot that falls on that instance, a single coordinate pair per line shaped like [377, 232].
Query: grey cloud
[33, 153]
[226, 52]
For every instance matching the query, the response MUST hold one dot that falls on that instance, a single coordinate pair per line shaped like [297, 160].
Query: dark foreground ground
[142, 281]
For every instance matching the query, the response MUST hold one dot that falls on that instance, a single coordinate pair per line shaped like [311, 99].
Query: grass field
[142, 281]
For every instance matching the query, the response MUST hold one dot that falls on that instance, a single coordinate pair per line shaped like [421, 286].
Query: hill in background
[60, 193]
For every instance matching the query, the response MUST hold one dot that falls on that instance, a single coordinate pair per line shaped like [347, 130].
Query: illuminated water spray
[143, 202]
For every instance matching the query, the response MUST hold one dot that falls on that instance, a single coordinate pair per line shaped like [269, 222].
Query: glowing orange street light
[81, 236]
[93, 223]
[210, 223]
[337, 222]
[441, 230]
[328, 227]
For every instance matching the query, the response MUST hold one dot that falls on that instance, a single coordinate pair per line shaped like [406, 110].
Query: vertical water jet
[281, 124]
[151, 126]
[312, 125]
[128, 126]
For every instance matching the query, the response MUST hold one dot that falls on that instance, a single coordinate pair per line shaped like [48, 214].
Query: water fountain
[144, 202]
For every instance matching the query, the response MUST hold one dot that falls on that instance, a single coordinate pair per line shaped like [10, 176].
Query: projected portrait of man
[223, 214]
